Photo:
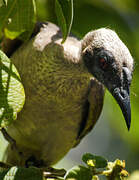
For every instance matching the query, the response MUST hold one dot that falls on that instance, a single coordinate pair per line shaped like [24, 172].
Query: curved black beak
[120, 91]
[122, 97]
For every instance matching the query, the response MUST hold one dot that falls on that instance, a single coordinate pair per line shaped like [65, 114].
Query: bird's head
[109, 61]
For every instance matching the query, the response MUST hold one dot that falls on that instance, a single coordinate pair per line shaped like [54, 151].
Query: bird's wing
[91, 109]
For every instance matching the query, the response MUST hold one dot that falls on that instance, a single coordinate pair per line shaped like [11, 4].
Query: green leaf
[94, 161]
[64, 13]
[79, 173]
[5, 2]
[17, 18]
[12, 95]
[18, 173]
[2, 2]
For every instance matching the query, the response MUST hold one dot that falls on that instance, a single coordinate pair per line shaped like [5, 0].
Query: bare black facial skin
[102, 65]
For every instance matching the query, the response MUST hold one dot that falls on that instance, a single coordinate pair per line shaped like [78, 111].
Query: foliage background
[110, 136]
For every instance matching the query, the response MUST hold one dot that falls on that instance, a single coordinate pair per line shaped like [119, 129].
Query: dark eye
[103, 63]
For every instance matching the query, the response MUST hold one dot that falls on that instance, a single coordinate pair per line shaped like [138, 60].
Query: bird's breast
[52, 111]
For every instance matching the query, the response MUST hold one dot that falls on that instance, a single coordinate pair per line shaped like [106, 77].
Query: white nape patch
[47, 32]
[73, 46]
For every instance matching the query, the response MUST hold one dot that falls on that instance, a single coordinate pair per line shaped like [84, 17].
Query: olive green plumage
[64, 88]
[63, 101]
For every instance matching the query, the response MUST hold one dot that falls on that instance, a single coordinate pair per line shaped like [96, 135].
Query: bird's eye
[103, 63]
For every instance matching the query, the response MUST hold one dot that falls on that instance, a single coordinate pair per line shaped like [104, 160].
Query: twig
[53, 173]
[5, 165]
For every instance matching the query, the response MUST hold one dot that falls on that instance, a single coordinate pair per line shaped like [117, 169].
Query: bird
[64, 88]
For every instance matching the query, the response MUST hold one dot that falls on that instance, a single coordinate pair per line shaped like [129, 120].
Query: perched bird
[64, 88]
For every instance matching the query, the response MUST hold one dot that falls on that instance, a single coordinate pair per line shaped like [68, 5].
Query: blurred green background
[110, 136]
